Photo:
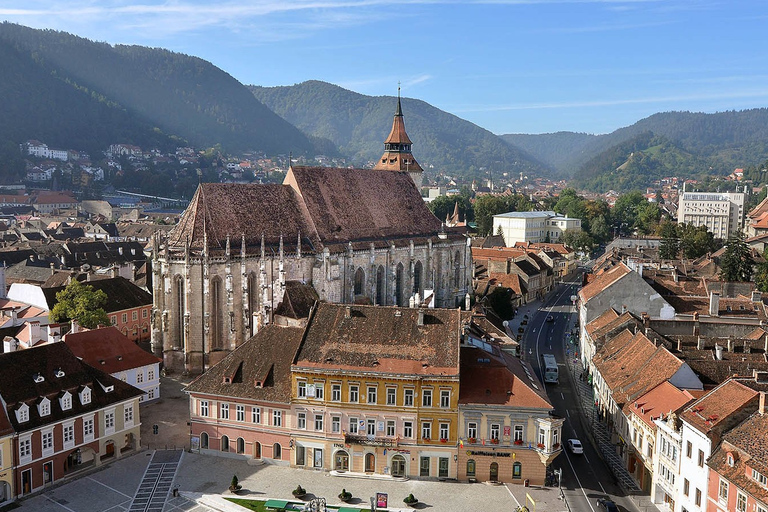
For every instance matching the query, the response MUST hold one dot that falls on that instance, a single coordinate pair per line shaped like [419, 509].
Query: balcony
[367, 440]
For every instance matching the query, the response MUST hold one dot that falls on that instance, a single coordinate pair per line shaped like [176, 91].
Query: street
[585, 477]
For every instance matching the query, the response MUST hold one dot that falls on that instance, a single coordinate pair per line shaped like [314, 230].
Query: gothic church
[353, 235]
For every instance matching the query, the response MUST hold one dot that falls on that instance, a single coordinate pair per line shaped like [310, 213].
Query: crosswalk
[156, 483]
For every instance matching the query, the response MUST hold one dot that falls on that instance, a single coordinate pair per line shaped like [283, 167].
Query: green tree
[625, 211]
[736, 263]
[80, 302]
[670, 243]
[761, 274]
[648, 217]
[695, 241]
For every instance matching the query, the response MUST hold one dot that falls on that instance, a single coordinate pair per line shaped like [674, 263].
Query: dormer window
[66, 401]
[85, 396]
[44, 407]
[38, 378]
[22, 413]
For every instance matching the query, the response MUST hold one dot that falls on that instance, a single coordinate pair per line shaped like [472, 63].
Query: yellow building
[6, 459]
[375, 390]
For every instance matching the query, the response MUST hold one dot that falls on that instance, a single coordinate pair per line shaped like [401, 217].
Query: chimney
[348, 312]
[53, 269]
[114, 271]
[679, 344]
[10, 344]
[75, 327]
[730, 345]
[761, 407]
[623, 308]
[700, 343]
[747, 348]
[714, 303]
[757, 296]
[467, 302]
[420, 318]
[718, 352]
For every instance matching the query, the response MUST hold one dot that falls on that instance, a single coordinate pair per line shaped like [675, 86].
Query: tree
[736, 263]
[761, 275]
[647, 218]
[80, 302]
[670, 243]
[695, 241]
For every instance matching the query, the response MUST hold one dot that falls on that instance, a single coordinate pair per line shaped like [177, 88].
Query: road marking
[59, 504]
[110, 488]
[585, 456]
[513, 496]
[601, 486]
[562, 396]
[568, 414]
[578, 480]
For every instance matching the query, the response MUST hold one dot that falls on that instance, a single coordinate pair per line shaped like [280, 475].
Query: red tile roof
[716, 406]
[662, 399]
[108, 350]
[603, 281]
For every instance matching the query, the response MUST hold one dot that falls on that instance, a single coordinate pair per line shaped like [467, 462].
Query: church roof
[326, 206]
[348, 205]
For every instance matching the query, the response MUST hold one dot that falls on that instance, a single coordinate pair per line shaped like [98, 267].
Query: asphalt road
[585, 477]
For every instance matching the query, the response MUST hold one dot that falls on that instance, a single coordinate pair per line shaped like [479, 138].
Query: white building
[535, 227]
[722, 213]
[41, 150]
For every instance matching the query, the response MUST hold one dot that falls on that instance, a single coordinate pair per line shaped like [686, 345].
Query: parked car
[550, 318]
[574, 445]
[607, 505]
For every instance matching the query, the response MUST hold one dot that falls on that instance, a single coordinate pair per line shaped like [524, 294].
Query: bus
[549, 368]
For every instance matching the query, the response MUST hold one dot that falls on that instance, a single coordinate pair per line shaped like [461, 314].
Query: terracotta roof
[109, 350]
[512, 281]
[603, 281]
[383, 339]
[497, 253]
[499, 379]
[18, 384]
[601, 321]
[662, 399]
[259, 369]
[716, 406]
[297, 301]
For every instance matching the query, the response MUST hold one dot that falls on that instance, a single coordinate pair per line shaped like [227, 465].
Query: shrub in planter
[472, 440]
[345, 495]
[299, 491]
[518, 442]
[540, 446]
[234, 486]
[410, 500]
[495, 441]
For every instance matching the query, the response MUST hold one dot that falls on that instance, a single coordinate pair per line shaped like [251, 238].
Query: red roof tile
[108, 350]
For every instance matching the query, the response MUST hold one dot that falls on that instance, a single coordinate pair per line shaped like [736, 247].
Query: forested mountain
[704, 143]
[126, 90]
[358, 124]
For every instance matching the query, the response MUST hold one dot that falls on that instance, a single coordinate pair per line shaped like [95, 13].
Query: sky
[510, 66]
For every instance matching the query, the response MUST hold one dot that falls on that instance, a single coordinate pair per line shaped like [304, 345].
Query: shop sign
[489, 454]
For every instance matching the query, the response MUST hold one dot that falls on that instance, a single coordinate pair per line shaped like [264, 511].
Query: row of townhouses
[677, 362]
[405, 392]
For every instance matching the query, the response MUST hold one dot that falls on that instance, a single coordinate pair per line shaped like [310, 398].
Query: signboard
[381, 500]
[380, 426]
[194, 444]
[310, 391]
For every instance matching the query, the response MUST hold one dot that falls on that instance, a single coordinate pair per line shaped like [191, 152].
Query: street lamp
[559, 473]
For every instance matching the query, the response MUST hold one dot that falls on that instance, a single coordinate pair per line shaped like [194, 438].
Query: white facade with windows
[535, 227]
[722, 213]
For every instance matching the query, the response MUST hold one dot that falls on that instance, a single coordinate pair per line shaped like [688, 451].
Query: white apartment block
[43, 151]
[535, 227]
[722, 213]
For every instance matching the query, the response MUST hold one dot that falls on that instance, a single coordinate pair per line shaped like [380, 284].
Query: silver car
[574, 445]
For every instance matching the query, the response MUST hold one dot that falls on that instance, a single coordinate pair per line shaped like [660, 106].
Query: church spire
[397, 148]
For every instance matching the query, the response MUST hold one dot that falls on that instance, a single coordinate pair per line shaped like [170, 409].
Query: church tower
[397, 149]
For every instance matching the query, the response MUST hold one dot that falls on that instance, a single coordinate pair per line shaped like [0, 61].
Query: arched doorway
[277, 451]
[256, 450]
[224, 443]
[5, 492]
[494, 472]
[204, 441]
[341, 461]
[240, 445]
[109, 449]
[398, 465]
[370, 463]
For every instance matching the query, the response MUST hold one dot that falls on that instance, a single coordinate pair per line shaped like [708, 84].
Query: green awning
[349, 509]
[277, 504]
